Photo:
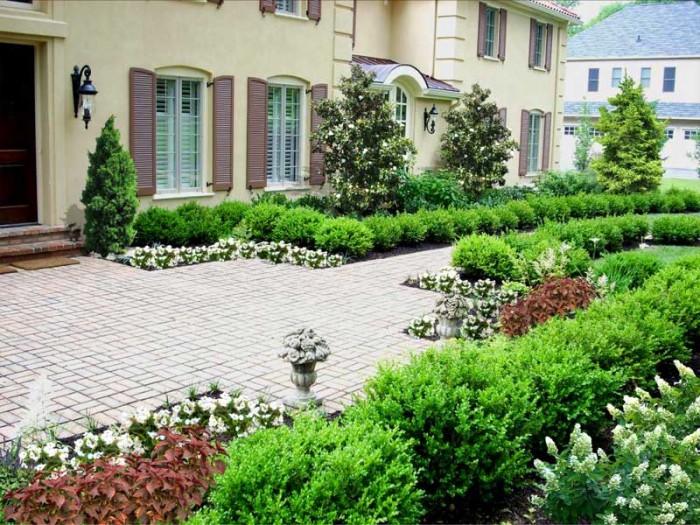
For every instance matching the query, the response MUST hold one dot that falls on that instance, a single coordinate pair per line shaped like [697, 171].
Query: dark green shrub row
[477, 415]
[676, 230]
[562, 183]
[607, 234]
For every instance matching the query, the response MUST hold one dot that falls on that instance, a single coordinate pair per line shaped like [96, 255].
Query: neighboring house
[214, 98]
[658, 45]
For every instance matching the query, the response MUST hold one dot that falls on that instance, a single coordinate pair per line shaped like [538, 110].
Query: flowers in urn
[450, 309]
[303, 348]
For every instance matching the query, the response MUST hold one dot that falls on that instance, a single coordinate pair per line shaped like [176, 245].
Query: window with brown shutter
[502, 115]
[524, 134]
[548, 57]
[256, 171]
[481, 33]
[267, 6]
[503, 24]
[354, 22]
[142, 128]
[223, 133]
[533, 42]
[319, 92]
[547, 140]
[313, 10]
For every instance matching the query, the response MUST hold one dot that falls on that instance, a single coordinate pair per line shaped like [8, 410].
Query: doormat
[40, 264]
[6, 269]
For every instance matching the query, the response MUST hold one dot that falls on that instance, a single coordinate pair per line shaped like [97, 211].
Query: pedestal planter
[448, 327]
[303, 349]
[450, 309]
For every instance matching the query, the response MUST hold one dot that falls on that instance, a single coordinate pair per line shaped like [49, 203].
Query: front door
[17, 136]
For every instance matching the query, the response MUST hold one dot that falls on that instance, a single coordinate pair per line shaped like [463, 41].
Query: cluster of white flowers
[230, 415]
[423, 327]
[160, 257]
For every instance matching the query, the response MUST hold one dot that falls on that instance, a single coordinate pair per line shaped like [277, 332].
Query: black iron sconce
[429, 119]
[83, 95]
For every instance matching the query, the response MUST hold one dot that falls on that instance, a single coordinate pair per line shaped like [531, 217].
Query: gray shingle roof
[642, 30]
[675, 110]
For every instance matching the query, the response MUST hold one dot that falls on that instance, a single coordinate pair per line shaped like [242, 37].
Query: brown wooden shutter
[481, 35]
[548, 54]
[503, 115]
[267, 6]
[533, 39]
[502, 34]
[142, 128]
[223, 133]
[524, 134]
[256, 172]
[354, 22]
[547, 141]
[319, 92]
[313, 10]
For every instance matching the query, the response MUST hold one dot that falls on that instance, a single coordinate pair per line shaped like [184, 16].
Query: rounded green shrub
[673, 203]
[507, 219]
[202, 225]
[298, 226]
[656, 201]
[692, 200]
[160, 226]
[439, 225]
[413, 231]
[560, 183]
[632, 227]
[526, 215]
[620, 204]
[488, 221]
[317, 472]
[260, 220]
[346, 236]
[465, 222]
[578, 206]
[680, 229]
[484, 257]
[230, 213]
[641, 202]
[628, 270]
[552, 208]
[386, 231]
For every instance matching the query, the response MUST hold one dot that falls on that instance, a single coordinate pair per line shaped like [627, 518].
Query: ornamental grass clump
[652, 474]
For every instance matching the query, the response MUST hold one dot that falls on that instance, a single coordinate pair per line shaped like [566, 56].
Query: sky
[587, 9]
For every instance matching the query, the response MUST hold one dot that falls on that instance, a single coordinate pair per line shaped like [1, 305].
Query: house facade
[637, 42]
[214, 98]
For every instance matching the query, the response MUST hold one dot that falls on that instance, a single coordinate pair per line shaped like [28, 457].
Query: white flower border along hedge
[162, 257]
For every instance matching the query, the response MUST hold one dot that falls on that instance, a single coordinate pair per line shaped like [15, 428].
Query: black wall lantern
[83, 95]
[429, 119]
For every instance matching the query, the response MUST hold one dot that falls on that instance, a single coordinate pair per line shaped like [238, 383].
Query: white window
[594, 133]
[540, 38]
[534, 142]
[287, 6]
[645, 78]
[283, 134]
[401, 104]
[178, 134]
[490, 45]
[569, 130]
[668, 133]
[616, 76]
[690, 134]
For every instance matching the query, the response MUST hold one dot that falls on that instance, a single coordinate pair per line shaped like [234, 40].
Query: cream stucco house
[213, 97]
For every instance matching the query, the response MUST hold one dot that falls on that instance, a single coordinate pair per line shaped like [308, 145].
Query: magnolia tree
[477, 145]
[365, 152]
[632, 140]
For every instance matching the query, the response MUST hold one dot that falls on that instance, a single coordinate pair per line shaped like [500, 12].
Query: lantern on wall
[429, 119]
[83, 94]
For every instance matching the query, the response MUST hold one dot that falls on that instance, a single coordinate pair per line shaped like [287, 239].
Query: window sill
[280, 187]
[491, 59]
[540, 68]
[292, 16]
[175, 196]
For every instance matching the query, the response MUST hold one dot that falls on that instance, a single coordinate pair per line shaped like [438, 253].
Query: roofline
[635, 57]
[430, 93]
[554, 14]
[572, 115]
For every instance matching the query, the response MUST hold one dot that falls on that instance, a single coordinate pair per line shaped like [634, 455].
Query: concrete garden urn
[303, 349]
[450, 310]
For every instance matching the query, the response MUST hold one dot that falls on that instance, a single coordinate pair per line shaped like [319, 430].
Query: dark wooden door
[17, 135]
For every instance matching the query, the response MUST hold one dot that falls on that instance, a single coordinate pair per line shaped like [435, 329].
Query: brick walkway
[112, 337]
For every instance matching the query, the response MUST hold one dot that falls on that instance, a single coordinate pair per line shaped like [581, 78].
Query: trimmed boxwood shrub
[413, 231]
[159, 226]
[466, 222]
[298, 226]
[552, 208]
[386, 231]
[345, 236]
[526, 215]
[507, 219]
[261, 219]
[439, 225]
[484, 257]
[683, 229]
[690, 197]
[316, 472]
[230, 214]
[489, 220]
[628, 270]
[201, 224]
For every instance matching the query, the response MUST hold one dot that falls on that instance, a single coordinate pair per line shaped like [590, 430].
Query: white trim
[554, 14]
[404, 70]
[441, 94]
[186, 195]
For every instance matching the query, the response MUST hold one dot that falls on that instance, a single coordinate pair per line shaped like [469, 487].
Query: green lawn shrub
[315, 202]
[230, 214]
[298, 226]
[628, 270]
[386, 231]
[656, 201]
[466, 222]
[484, 257]
[561, 183]
[620, 204]
[526, 215]
[345, 236]
[690, 197]
[201, 224]
[550, 208]
[680, 229]
[507, 219]
[641, 202]
[413, 231]
[439, 225]
[594, 235]
[160, 226]
[673, 203]
[260, 220]
[430, 191]
[316, 472]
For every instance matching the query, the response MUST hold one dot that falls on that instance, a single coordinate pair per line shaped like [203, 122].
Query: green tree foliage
[569, 4]
[584, 140]
[476, 145]
[696, 154]
[109, 195]
[365, 152]
[632, 140]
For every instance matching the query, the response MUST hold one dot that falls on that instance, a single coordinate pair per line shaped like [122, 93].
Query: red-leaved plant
[159, 489]
[557, 296]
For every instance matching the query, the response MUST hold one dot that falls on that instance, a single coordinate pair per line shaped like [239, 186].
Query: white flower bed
[231, 415]
[230, 249]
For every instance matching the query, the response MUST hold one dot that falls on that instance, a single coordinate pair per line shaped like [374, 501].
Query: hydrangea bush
[653, 473]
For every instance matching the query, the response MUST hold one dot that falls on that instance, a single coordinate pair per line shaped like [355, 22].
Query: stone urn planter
[448, 327]
[303, 349]
[450, 310]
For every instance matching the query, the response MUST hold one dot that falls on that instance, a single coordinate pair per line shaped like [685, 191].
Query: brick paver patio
[111, 337]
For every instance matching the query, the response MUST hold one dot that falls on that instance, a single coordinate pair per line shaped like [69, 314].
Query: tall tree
[632, 138]
[584, 140]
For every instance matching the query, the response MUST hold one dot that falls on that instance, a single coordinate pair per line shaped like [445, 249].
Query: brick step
[33, 234]
[38, 250]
